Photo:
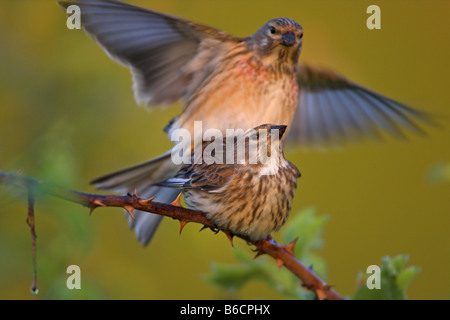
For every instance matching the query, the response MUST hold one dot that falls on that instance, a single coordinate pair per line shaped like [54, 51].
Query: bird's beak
[288, 39]
[281, 130]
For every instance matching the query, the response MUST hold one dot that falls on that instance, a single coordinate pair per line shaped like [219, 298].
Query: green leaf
[394, 278]
[395, 264]
[406, 276]
[230, 277]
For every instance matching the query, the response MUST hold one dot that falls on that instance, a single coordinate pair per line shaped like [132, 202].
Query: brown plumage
[250, 198]
[229, 83]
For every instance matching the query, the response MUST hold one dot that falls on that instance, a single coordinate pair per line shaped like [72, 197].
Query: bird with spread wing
[229, 83]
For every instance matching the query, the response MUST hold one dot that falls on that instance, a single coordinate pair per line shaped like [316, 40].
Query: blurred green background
[67, 115]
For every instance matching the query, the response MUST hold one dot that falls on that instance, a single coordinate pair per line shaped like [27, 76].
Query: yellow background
[67, 115]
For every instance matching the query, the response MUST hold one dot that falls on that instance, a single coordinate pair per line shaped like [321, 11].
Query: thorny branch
[284, 255]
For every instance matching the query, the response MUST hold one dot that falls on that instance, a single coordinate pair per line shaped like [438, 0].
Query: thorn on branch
[280, 263]
[290, 247]
[183, 223]
[177, 202]
[229, 236]
[94, 205]
[91, 209]
[323, 293]
[258, 254]
[129, 209]
[258, 248]
[98, 203]
[146, 202]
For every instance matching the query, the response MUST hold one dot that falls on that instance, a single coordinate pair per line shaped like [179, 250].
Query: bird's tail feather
[139, 176]
[142, 178]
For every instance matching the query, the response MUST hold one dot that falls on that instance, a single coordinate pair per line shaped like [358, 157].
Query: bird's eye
[300, 36]
[272, 30]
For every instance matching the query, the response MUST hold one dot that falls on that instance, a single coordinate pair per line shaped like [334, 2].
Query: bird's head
[264, 147]
[261, 142]
[278, 42]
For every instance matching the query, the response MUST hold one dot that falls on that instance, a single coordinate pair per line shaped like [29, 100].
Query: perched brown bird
[251, 196]
[229, 83]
